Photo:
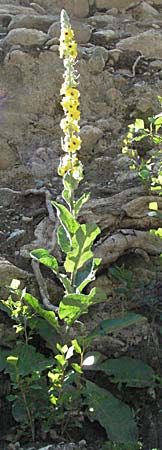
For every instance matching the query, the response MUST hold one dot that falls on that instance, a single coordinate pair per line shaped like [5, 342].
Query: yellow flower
[73, 144]
[72, 92]
[68, 103]
[72, 49]
[68, 49]
[67, 34]
[73, 114]
[66, 164]
[68, 125]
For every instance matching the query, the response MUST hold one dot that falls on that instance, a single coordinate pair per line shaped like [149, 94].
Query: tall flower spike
[71, 142]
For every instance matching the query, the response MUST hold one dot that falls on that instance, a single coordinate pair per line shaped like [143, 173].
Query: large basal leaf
[19, 411]
[133, 372]
[81, 246]
[44, 257]
[44, 329]
[66, 219]
[73, 305]
[28, 361]
[47, 315]
[63, 239]
[114, 325]
[112, 414]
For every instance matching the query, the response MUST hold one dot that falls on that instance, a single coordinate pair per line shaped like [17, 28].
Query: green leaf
[77, 368]
[73, 305]
[139, 124]
[153, 206]
[66, 219]
[76, 346]
[144, 174]
[19, 412]
[70, 183]
[87, 274]
[113, 325]
[139, 138]
[133, 372]
[157, 139]
[63, 239]
[112, 414]
[80, 202]
[66, 196]
[44, 329]
[66, 283]
[47, 315]
[158, 121]
[81, 244]
[27, 360]
[44, 257]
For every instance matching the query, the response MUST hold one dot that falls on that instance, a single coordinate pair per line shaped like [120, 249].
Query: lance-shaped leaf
[67, 220]
[47, 315]
[114, 325]
[44, 257]
[63, 239]
[133, 372]
[80, 202]
[112, 414]
[81, 247]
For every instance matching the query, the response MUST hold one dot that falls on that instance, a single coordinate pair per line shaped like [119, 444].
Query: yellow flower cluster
[71, 142]
[68, 46]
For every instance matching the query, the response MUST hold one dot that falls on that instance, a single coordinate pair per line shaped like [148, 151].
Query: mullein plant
[69, 391]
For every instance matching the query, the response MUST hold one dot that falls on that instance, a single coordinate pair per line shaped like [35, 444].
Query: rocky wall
[120, 66]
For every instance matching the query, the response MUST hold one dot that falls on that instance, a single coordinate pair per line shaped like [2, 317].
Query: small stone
[102, 20]
[15, 9]
[148, 43]
[7, 156]
[113, 11]
[82, 31]
[27, 37]
[103, 36]
[98, 60]
[7, 196]
[90, 136]
[37, 8]
[32, 21]
[27, 219]
[9, 271]
[81, 8]
[16, 235]
[145, 11]
[5, 19]
[156, 65]
[82, 443]
[119, 4]
[115, 54]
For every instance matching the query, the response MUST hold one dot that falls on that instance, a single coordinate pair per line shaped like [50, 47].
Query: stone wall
[120, 66]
